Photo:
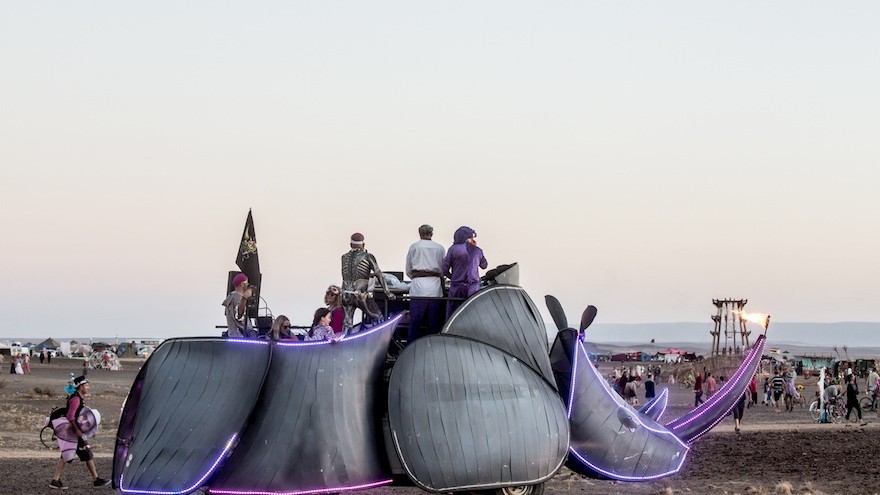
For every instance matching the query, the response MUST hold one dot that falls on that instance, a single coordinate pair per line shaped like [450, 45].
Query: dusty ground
[775, 453]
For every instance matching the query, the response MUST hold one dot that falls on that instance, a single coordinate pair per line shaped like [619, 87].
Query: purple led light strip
[658, 400]
[721, 395]
[304, 492]
[609, 474]
[714, 423]
[249, 341]
[574, 367]
[701, 412]
[356, 336]
[619, 402]
[195, 485]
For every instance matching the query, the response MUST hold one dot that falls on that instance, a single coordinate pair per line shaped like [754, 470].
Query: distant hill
[861, 338]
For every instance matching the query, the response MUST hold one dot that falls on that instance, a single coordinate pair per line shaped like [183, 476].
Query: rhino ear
[588, 317]
[556, 312]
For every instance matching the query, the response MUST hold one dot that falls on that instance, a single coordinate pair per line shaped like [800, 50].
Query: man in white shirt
[423, 263]
[872, 385]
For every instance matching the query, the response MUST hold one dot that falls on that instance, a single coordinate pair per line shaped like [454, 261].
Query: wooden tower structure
[730, 335]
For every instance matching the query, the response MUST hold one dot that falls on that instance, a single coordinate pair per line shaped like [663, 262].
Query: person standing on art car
[357, 267]
[424, 262]
[237, 322]
[333, 301]
[461, 266]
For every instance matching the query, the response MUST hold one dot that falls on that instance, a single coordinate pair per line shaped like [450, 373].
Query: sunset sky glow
[642, 157]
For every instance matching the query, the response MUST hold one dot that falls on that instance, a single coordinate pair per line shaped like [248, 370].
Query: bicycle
[47, 437]
[835, 411]
[47, 434]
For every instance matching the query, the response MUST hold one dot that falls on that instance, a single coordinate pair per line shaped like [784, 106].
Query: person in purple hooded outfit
[461, 266]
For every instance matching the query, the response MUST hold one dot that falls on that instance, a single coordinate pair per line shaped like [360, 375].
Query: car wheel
[513, 490]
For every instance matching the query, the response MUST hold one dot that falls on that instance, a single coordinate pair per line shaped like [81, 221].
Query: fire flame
[759, 318]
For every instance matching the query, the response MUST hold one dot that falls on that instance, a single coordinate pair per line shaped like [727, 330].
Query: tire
[47, 437]
[837, 414]
[866, 404]
[815, 412]
[513, 490]
[521, 490]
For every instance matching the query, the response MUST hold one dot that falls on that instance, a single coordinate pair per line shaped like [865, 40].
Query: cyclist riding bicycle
[830, 397]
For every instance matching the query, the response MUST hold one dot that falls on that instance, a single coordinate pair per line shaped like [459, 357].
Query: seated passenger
[280, 329]
[321, 329]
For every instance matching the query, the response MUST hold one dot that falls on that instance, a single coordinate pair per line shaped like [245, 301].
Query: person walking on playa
[698, 390]
[738, 411]
[711, 385]
[778, 386]
[649, 387]
[753, 391]
[75, 404]
[852, 398]
[871, 385]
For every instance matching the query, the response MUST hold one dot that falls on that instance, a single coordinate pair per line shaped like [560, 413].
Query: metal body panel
[465, 415]
[185, 412]
[317, 425]
[702, 419]
[505, 317]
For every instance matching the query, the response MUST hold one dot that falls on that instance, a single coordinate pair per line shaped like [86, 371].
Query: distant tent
[129, 351]
[49, 343]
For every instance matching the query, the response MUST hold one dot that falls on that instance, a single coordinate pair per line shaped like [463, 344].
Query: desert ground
[774, 453]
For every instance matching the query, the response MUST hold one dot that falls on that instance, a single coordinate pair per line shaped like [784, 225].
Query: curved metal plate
[655, 407]
[465, 415]
[505, 317]
[190, 407]
[611, 439]
[316, 426]
[701, 420]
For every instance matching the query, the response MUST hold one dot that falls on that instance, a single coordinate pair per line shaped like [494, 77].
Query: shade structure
[185, 412]
[505, 317]
[316, 425]
[467, 415]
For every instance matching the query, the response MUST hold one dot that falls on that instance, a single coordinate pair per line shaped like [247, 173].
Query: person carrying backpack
[68, 430]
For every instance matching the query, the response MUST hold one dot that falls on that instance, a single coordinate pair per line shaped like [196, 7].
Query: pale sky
[643, 157]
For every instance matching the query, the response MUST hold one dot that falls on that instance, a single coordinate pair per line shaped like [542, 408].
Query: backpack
[57, 412]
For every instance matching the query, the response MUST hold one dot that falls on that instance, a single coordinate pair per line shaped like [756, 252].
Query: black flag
[248, 261]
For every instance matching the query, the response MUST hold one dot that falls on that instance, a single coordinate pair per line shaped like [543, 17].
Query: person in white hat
[71, 423]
